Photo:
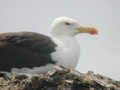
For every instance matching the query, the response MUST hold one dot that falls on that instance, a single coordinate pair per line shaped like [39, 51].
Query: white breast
[67, 52]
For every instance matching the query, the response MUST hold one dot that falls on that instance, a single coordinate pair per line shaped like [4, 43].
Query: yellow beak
[90, 30]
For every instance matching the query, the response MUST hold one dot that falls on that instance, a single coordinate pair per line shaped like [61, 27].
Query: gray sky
[100, 54]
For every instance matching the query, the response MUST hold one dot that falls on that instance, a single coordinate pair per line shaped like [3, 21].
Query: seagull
[31, 52]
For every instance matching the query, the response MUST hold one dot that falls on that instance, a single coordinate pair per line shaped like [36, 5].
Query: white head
[69, 27]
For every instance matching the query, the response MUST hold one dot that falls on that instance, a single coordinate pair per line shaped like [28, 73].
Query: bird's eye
[67, 23]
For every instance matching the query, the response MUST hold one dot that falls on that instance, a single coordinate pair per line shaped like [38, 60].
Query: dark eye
[67, 23]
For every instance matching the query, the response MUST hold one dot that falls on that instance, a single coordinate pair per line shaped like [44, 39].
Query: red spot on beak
[93, 31]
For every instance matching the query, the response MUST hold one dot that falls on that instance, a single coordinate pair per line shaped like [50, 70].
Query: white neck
[67, 52]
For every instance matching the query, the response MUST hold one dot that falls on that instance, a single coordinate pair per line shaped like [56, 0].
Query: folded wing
[25, 49]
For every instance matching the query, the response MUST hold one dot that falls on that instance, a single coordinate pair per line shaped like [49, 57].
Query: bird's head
[70, 27]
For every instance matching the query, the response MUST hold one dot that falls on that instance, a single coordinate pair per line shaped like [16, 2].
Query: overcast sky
[100, 54]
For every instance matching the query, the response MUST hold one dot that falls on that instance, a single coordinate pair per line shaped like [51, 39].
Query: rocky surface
[59, 78]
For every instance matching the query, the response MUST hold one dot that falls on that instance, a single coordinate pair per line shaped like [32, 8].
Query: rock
[60, 78]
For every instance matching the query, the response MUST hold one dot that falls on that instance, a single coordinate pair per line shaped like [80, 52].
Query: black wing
[25, 49]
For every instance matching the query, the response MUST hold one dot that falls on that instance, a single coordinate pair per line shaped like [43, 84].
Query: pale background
[100, 54]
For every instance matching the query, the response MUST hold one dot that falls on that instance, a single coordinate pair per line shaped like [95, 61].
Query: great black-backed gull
[30, 52]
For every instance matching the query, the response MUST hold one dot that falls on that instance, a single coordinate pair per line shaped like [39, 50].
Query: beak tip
[94, 31]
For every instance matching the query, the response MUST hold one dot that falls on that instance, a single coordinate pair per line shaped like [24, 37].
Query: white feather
[67, 53]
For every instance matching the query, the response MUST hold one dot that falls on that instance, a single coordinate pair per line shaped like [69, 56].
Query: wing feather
[25, 49]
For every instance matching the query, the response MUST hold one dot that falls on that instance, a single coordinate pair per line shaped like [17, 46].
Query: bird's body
[30, 52]
[27, 51]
